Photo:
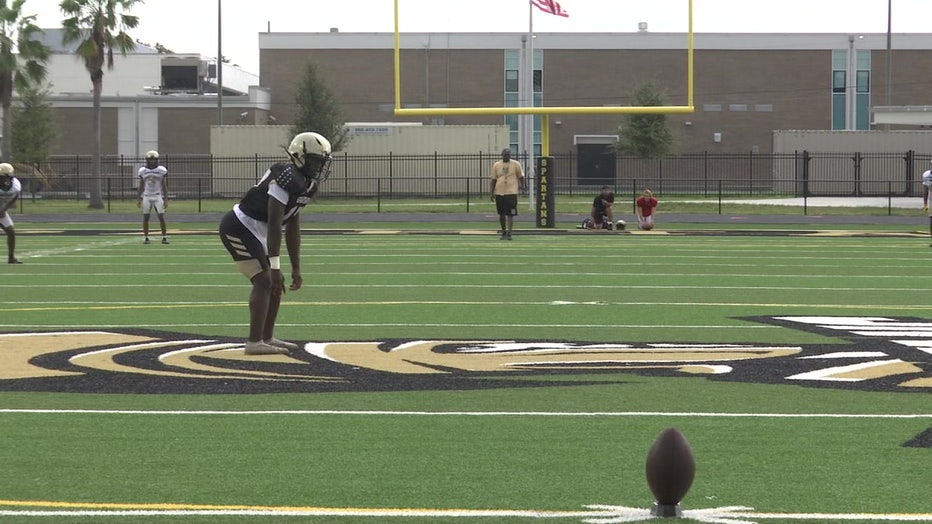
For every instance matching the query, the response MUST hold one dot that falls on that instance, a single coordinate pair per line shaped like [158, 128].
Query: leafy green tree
[318, 109]
[646, 135]
[22, 60]
[99, 27]
[34, 129]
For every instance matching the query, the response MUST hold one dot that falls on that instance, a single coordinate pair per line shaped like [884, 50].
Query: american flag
[550, 6]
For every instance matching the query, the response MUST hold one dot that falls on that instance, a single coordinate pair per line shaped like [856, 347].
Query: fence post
[889, 198]
[378, 192]
[108, 194]
[806, 159]
[467, 193]
[719, 196]
[634, 195]
[857, 173]
[77, 177]
[910, 159]
[199, 179]
[345, 176]
[660, 173]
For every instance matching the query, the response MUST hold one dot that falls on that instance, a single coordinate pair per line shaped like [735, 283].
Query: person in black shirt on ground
[602, 209]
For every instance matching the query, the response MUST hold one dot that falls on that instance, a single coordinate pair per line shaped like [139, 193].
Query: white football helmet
[310, 146]
[152, 154]
[6, 176]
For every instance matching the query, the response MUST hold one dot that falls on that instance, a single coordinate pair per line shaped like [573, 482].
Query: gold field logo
[879, 354]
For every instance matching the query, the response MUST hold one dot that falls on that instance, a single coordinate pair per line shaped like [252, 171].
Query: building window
[712, 107]
[513, 97]
[511, 81]
[838, 81]
[863, 80]
[763, 108]
[737, 107]
[838, 111]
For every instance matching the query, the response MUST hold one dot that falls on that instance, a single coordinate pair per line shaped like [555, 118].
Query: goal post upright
[400, 110]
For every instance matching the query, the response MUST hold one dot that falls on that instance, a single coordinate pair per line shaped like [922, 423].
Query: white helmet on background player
[152, 159]
[311, 152]
[6, 176]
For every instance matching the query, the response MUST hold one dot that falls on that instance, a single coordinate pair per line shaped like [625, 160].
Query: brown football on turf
[670, 467]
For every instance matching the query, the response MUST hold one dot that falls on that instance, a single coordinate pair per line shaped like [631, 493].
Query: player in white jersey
[153, 193]
[10, 188]
[926, 190]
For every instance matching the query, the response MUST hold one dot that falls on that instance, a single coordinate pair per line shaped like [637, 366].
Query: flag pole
[529, 99]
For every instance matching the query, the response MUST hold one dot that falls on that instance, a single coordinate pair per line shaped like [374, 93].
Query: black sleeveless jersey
[255, 202]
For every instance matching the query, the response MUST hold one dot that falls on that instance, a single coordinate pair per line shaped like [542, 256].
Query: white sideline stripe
[593, 516]
[519, 286]
[468, 413]
[573, 274]
[902, 307]
[659, 259]
[482, 263]
[379, 325]
[457, 257]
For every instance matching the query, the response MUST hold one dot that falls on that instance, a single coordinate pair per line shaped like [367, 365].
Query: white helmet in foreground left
[6, 169]
[311, 152]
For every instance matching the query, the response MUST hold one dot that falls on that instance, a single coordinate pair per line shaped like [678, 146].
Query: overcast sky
[190, 26]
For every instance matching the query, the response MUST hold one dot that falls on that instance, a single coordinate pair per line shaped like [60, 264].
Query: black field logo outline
[875, 354]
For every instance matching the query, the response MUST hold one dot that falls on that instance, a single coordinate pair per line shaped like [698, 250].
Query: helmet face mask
[318, 168]
[310, 152]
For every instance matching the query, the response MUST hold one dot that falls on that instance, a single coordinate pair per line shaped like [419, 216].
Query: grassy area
[564, 204]
[563, 357]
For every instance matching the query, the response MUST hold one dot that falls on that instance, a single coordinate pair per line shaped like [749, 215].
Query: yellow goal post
[546, 111]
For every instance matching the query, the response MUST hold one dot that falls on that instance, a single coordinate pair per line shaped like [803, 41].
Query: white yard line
[382, 413]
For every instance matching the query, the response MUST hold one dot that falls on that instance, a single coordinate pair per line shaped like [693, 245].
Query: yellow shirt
[506, 176]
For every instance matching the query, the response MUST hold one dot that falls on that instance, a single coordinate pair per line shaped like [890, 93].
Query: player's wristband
[275, 262]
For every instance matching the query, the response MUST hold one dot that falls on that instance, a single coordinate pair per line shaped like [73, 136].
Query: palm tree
[22, 61]
[99, 27]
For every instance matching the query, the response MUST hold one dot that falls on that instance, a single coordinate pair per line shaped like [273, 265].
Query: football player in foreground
[252, 233]
[10, 189]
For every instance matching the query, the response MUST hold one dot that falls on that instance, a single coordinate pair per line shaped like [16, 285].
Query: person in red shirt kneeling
[646, 209]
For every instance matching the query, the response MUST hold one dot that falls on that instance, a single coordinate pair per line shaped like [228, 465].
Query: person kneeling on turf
[602, 209]
[646, 206]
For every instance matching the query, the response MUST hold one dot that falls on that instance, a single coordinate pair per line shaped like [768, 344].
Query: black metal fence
[707, 174]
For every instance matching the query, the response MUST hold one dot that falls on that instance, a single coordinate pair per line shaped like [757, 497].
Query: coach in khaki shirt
[507, 178]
